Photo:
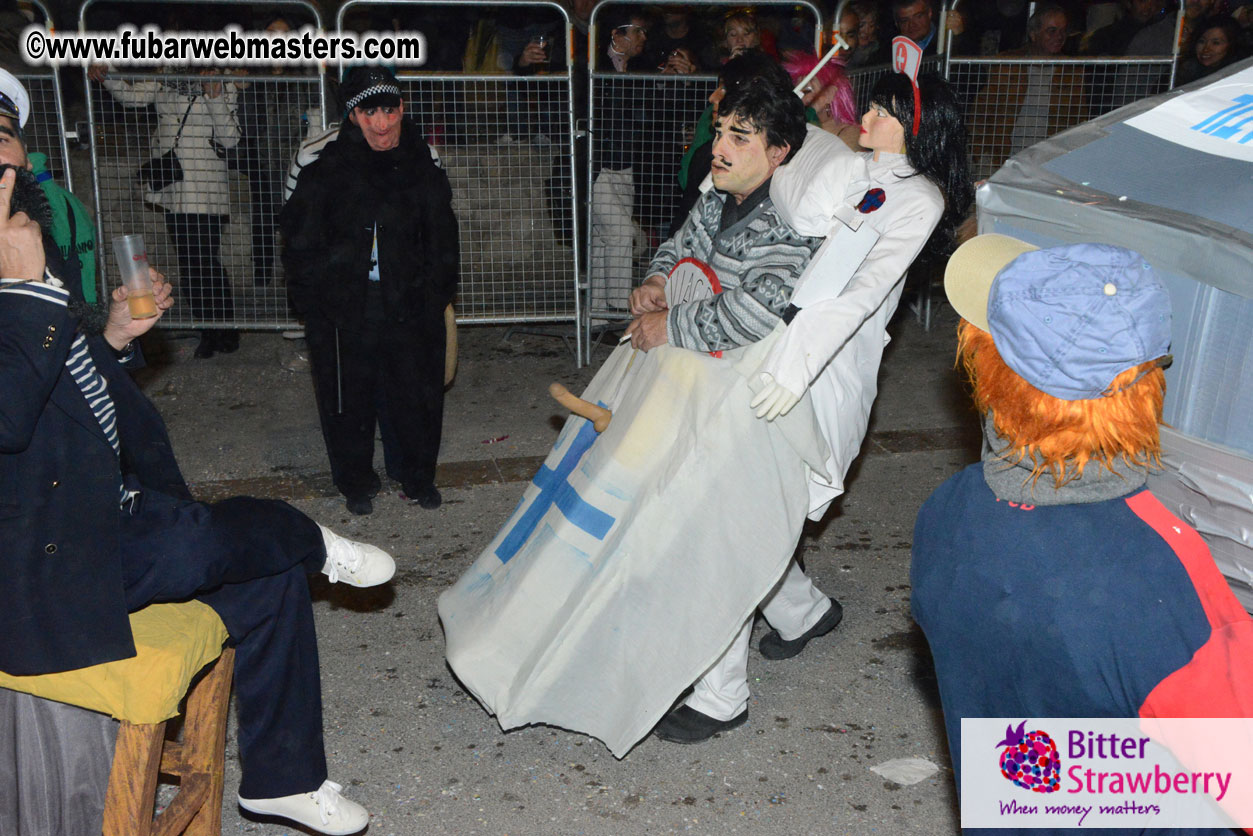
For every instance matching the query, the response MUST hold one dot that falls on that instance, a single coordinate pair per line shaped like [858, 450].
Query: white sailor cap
[14, 101]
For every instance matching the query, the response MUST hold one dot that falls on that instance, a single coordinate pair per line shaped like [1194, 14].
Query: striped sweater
[757, 260]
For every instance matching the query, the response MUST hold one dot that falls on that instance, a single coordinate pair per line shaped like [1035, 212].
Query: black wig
[749, 64]
[767, 103]
[939, 150]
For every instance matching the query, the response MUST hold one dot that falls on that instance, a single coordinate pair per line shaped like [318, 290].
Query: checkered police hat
[369, 87]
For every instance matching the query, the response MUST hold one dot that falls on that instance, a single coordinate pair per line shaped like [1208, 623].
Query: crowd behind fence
[1011, 104]
[214, 233]
[641, 125]
[45, 133]
[553, 227]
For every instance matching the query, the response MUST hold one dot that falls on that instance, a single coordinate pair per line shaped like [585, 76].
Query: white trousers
[792, 607]
[613, 234]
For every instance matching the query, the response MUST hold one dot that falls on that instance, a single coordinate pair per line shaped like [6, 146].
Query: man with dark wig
[736, 231]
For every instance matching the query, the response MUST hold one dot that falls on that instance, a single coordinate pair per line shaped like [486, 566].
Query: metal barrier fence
[46, 128]
[864, 79]
[639, 127]
[1013, 104]
[632, 207]
[213, 233]
[507, 143]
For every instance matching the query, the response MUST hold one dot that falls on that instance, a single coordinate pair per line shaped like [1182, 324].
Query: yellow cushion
[173, 642]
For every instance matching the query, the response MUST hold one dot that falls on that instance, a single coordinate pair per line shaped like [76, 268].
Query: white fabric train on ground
[635, 556]
[606, 593]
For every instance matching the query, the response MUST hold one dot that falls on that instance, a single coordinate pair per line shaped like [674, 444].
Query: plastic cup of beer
[132, 265]
[542, 42]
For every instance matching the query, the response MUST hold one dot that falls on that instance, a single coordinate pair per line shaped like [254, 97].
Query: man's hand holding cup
[535, 53]
[122, 327]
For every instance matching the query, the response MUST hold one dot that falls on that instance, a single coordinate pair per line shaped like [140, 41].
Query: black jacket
[328, 225]
[62, 603]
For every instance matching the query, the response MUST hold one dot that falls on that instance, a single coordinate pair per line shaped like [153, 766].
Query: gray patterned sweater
[757, 261]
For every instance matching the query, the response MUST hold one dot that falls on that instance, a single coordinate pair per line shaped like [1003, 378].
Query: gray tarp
[1190, 213]
[54, 767]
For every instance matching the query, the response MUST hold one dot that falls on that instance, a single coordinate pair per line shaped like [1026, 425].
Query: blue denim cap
[1070, 319]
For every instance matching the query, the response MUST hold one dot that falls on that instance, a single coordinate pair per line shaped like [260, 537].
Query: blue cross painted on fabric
[555, 489]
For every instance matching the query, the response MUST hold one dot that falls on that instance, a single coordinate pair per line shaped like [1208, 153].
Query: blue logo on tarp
[1230, 121]
[555, 489]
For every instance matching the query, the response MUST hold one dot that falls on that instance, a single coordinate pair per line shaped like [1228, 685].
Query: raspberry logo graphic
[1030, 759]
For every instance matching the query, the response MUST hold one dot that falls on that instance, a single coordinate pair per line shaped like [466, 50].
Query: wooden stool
[173, 642]
[142, 752]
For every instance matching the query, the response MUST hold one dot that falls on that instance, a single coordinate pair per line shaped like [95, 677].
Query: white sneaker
[359, 564]
[323, 810]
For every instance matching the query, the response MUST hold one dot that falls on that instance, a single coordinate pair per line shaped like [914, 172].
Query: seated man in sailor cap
[97, 520]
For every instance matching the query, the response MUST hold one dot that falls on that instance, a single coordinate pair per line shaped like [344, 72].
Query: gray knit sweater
[757, 261]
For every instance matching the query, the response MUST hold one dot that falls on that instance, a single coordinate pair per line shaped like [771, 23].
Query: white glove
[773, 399]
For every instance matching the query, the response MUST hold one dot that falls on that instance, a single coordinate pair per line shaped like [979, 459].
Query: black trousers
[248, 560]
[388, 369]
[202, 281]
[265, 189]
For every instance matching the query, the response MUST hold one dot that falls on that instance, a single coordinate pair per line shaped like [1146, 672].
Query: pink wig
[843, 108]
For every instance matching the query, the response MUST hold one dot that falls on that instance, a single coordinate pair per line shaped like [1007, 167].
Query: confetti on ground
[906, 771]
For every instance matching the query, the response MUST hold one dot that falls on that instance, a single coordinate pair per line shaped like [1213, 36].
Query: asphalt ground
[425, 758]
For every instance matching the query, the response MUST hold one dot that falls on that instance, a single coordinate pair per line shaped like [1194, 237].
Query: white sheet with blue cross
[634, 555]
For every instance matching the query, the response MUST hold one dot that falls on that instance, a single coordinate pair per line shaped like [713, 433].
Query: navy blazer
[62, 602]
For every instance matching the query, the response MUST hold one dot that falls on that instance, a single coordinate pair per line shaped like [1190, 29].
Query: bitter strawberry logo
[1030, 759]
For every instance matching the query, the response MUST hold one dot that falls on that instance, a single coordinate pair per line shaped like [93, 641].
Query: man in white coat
[827, 345]
[735, 231]
[680, 516]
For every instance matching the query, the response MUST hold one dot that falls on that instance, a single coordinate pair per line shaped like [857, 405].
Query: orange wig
[1061, 437]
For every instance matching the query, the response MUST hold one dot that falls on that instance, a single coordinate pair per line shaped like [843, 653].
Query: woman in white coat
[919, 191]
[194, 119]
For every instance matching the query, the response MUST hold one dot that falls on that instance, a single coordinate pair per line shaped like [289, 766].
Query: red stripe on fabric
[1221, 606]
[1218, 680]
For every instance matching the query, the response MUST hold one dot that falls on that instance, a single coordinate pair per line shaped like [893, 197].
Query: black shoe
[427, 497]
[774, 647]
[227, 342]
[359, 505]
[687, 725]
[206, 347]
